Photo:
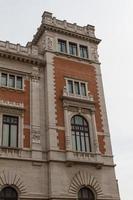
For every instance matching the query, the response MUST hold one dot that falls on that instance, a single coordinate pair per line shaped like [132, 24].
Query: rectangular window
[3, 79]
[83, 51]
[83, 89]
[73, 49]
[62, 46]
[12, 81]
[70, 86]
[77, 88]
[19, 82]
[10, 131]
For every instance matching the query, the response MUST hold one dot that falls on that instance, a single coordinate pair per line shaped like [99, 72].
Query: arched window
[85, 194]
[80, 134]
[8, 193]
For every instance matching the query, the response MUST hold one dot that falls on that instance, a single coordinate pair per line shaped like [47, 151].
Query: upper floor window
[80, 134]
[83, 51]
[8, 193]
[11, 81]
[77, 88]
[85, 194]
[73, 49]
[10, 131]
[62, 46]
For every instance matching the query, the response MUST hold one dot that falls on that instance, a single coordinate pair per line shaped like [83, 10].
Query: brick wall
[17, 96]
[86, 72]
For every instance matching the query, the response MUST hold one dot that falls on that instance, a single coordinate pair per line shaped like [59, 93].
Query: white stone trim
[11, 178]
[93, 135]
[83, 178]
[51, 116]
[20, 128]
[103, 109]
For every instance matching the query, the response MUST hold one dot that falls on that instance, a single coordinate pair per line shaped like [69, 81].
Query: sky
[19, 20]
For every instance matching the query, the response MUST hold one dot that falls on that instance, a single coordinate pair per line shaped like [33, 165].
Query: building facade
[54, 135]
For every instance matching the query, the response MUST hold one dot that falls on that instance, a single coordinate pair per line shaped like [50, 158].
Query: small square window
[62, 46]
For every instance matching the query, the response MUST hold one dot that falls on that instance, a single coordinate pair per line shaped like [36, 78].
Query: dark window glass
[70, 86]
[4, 79]
[85, 194]
[83, 89]
[62, 47]
[19, 82]
[10, 131]
[80, 134]
[12, 81]
[8, 193]
[83, 51]
[73, 49]
[77, 88]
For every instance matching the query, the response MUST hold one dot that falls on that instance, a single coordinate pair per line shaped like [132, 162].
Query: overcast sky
[113, 20]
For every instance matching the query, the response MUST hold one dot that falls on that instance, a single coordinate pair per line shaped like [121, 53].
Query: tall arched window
[85, 194]
[8, 193]
[80, 134]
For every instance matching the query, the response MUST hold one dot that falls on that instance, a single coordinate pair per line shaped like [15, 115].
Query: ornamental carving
[49, 43]
[36, 135]
[35, 74]
[83, 178]
[15, 111]
[94, 53]
[13, 179]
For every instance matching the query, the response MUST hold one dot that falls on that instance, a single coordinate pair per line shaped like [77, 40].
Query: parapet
[48, 19]
[15, 51]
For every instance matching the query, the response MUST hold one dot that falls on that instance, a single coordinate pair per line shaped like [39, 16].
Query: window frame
[3, 193]
[89, 192]
[9, 132]
[15, 87]
[83, 50]
[61, 47]
[81, 135]
[80, 91]
[79, 47]
[73, 45]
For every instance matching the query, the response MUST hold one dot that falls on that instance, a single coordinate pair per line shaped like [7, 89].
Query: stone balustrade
[18, 49]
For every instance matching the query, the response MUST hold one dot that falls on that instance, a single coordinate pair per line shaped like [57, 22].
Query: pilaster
[35, 113]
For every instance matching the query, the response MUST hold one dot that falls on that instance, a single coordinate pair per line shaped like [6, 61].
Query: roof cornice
[55, 25]
[45, 27]
[20, 53]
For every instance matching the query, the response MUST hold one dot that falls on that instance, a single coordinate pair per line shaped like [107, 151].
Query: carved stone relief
[35, 74]
[94, 54]
[11, 110]
[12, 178]
[35, 134]
[83, 178]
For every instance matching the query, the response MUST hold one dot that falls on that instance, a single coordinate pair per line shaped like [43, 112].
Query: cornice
[21, 53]
[21, 58]
[51, 28]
